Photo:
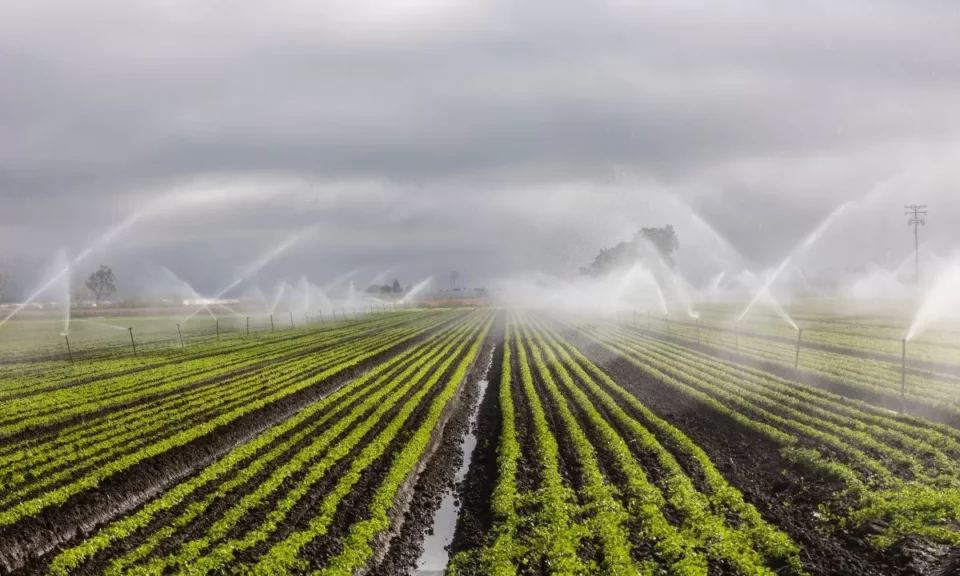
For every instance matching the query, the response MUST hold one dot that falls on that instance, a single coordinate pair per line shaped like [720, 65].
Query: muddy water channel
[435, 557]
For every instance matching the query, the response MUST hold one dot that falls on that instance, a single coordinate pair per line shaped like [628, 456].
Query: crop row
[864, 375]
[42, 473]
[21, 380]
[897, 471]
[261, 503]
[607, 476]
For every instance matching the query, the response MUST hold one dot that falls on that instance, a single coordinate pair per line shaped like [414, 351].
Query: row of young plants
[20, 379]
[857, 334]
[414, 388]
[52, 405]
[622, 517]
[899, 472]
[871, 376]
[26, 342]
[351, 355]
[747, 543]
[137, 424]
[265, 479]
[125, 389]
[67, 456]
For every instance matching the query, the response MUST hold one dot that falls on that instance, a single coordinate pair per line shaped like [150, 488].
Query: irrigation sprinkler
[69, 351]
[736, 337]
[666, 319]
[306, 318]
[133, 342]
[180, 334]
[634, 317]
[321, 316]
[271, 322]
[796, 363]
[344, 314]
[217, 320]
[903, 374]
[291, 319]
[248, 326]
[698, 332]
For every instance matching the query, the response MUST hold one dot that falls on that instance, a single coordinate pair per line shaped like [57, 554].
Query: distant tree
[101, 282]
[396, 287]
[663, 239]
[481, 292]
[4, 282]
[386, 289]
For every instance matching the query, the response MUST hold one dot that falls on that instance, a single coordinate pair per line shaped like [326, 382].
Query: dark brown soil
[406, 546]
[474, 493]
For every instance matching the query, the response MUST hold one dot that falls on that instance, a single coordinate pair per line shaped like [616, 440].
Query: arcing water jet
[256, 265]
[419, 287]
[809, 241]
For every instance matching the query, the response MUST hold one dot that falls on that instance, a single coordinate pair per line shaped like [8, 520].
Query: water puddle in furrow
[434, 559]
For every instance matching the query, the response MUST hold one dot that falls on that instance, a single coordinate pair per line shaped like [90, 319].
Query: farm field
[868, 371]
[600, 448]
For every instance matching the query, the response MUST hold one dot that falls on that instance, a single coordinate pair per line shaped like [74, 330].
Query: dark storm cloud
[484, 136]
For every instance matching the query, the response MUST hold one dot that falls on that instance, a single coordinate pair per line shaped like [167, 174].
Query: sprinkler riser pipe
[179, 333]
[69, 351]
[796, 363]
[133, 342]
[271, 323]
[903, 372]
[248, 326]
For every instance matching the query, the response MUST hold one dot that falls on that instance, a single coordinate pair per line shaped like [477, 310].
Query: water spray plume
[99, 243]
[256, 265]
[808, 242]
[940, 303]
[419, 287]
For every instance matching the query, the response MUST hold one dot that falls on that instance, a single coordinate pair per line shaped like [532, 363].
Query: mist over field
[498, 139]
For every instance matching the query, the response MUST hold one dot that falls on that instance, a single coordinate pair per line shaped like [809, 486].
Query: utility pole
[916, 213]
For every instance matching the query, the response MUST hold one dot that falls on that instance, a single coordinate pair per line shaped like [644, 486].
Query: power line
[916, 212]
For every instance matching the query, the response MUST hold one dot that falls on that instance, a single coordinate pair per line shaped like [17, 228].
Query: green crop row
[93, 476]
[898, 471]
[236, 468]
[283, 557]
[22, 413]
[357, 548]
[872, 376]
[77, 452]
[18, 379]
[750, 546]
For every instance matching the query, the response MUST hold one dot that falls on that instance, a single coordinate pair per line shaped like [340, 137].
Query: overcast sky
[486, 136]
